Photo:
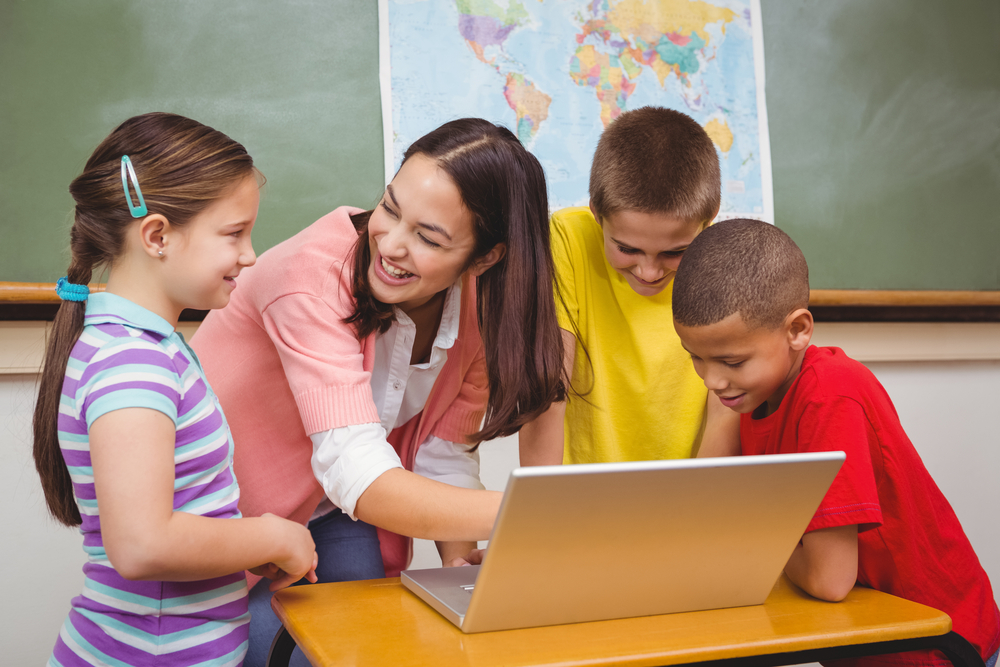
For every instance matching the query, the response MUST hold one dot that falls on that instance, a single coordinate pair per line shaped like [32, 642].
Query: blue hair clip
[68, 291]
[136, 211]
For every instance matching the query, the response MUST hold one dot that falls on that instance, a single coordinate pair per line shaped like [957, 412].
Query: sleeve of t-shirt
[565, 288]
[131, 373]
[323, 361]
[840, 424]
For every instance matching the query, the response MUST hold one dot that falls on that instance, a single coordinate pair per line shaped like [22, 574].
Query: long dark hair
[182, 166]
[503, 185]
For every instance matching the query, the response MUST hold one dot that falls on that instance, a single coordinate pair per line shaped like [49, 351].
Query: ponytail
[183, 167]
[49, 463]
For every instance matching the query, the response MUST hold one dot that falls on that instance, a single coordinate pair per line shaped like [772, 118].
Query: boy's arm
[722, 430]
[825, 563]
[541, 441]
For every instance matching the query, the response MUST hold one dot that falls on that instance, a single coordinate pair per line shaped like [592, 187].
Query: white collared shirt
[346, 460]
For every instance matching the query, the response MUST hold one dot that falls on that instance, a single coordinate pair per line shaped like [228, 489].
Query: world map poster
[557, 72]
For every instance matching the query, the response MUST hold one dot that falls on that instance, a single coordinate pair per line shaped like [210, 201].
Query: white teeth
[393, 271]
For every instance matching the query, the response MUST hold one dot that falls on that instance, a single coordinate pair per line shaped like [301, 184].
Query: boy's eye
[733, 364]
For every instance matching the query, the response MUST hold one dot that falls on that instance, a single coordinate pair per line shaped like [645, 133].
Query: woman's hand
[474, 557]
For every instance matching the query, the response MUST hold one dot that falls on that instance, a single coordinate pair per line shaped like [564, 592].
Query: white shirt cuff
[448, 462]
[346, 460]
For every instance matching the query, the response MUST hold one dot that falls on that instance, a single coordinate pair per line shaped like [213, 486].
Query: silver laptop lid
[613, 540]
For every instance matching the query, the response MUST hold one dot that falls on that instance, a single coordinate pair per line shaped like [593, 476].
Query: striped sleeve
[128, 373]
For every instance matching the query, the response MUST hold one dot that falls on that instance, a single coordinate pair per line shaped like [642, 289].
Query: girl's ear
[800, 328]
[153, 232]
[496, 253]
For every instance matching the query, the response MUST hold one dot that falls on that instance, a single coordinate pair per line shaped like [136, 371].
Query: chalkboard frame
[38, 301]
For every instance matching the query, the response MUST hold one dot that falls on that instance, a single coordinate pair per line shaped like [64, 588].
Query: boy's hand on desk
[474, 557]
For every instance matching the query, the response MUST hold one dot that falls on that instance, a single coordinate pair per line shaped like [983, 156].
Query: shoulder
[831, 380]
[123, 362]
[307, 262]
[111, 345]
[576, 223]
[577, 239]
[829, 371]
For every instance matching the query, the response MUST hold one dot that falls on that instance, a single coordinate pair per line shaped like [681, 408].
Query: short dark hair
[656, 160]
[740, 266]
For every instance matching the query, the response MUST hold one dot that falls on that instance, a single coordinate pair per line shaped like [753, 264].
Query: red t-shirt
[910, 543]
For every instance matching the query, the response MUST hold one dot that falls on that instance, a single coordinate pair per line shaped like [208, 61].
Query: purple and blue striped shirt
[128, 357]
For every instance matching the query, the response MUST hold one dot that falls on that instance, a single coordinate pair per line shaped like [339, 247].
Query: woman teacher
[370, 346]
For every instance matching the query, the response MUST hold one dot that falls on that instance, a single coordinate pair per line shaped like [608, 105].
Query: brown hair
[182, 166]
[656, 160]
[503, 186]
[740, 266]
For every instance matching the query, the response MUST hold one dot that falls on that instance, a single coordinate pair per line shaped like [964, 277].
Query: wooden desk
[380, 623]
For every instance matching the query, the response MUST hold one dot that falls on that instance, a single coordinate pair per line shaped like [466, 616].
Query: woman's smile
[390, 273]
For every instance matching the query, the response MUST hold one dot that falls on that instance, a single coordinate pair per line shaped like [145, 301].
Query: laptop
[592, 542]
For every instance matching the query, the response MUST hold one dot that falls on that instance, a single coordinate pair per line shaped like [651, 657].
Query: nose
[649, 270]
[714, 379]
[392, 242]
[247, 256]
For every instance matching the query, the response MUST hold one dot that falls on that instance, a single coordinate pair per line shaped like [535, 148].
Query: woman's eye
[428, 241]
[387, 209]
[626, 250]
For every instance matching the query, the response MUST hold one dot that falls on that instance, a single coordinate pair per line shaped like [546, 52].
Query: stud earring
[160, 253]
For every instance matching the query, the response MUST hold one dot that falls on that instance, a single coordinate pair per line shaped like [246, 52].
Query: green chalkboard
[884, 120]
[295, 81]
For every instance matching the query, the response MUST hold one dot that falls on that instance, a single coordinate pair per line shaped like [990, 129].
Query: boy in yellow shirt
[654, 186]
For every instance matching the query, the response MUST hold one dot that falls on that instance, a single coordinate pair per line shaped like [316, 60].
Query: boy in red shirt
[741, 299]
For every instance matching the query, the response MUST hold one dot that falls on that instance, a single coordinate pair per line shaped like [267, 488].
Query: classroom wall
[947, 407]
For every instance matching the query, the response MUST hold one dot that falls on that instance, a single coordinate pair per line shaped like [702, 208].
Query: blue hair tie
[68, 291]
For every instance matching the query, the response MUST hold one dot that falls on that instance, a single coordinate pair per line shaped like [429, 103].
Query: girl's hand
[299, 557]
[266, 571]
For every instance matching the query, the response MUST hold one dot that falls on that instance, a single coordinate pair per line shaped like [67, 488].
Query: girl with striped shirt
[130, 441]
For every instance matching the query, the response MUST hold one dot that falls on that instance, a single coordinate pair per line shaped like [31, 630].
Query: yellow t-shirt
[645, 400]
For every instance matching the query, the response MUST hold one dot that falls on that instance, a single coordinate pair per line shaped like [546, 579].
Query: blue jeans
[348, 551]
[992, 660]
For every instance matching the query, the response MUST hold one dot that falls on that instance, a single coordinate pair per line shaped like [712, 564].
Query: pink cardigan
[284, 365]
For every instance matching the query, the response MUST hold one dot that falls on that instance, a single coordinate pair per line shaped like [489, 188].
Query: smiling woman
[378, 344]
